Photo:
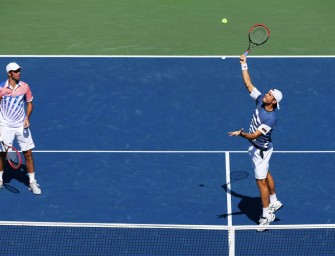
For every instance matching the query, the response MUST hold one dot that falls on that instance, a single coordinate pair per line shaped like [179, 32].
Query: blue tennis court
[143, 140]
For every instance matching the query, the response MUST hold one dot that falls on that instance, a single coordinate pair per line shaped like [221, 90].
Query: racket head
[13, 157]
[259, 34]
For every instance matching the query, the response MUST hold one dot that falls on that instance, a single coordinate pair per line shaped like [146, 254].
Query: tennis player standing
[14, 120]
[263, 122]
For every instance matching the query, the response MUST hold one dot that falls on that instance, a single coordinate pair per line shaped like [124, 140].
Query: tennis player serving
[263, 122]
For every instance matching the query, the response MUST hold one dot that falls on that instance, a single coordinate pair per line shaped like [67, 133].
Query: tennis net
[49, 238]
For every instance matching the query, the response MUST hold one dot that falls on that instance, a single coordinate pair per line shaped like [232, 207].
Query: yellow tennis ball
[224, 21]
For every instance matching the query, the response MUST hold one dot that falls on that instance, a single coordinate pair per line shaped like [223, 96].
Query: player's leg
[26, 144]
[2, 167]
[28, 155]
[264, 192]
[33, 186]
[7, 135]
[271, 183]
[267, 215]
[261, 166]
[275, 204]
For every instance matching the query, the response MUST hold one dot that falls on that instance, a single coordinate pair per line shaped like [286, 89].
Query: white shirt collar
[8, 85]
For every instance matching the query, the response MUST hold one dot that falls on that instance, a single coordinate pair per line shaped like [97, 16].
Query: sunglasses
[16, 71]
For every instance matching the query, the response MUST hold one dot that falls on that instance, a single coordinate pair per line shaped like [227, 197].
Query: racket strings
[259, 35]
[14, 158]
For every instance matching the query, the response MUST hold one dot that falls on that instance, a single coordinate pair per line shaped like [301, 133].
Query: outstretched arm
[245, 74]
[248, 136]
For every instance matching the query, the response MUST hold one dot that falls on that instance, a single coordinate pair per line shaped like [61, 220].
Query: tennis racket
[258, 35]
[13, 156]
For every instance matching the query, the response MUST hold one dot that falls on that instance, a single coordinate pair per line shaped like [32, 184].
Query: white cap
[12, 67]
[277, 95]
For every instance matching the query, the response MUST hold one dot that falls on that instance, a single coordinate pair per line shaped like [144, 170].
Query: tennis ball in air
[224, 21]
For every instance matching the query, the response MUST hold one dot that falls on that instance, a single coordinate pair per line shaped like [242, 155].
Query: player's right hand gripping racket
[258, 34]
[13, 156]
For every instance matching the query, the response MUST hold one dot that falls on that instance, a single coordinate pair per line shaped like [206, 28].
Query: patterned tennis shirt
[262, 120]
[12, 107]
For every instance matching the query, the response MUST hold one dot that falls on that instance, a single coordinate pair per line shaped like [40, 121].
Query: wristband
[244, 66]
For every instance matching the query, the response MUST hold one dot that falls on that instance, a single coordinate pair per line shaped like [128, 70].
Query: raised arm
[245, 74]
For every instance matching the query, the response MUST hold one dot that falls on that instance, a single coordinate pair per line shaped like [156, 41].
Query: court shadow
[249, 206]
[11, 174]
[11, 188]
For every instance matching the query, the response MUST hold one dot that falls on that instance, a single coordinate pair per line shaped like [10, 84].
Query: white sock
[31, 177]
[273, 198]
[266, 212]
[1, 174]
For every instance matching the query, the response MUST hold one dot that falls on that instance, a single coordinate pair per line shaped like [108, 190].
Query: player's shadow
[10, 174]
[249, 206]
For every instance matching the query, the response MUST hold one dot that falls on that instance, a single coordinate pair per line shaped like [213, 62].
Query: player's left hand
[235, 133]
[26, 123]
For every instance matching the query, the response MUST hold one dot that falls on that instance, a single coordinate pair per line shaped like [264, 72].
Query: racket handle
[246, 53]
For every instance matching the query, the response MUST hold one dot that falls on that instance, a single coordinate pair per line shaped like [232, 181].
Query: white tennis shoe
[34, 187]
[275, 206]
[264, 222]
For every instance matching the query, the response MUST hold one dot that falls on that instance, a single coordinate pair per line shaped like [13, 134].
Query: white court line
[164, 56]
[178, 151]
[164, 226]
[139, 151]
[229, 203]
